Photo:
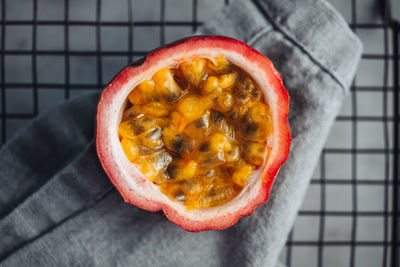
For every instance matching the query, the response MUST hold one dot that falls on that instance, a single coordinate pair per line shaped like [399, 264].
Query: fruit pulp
[198, 130]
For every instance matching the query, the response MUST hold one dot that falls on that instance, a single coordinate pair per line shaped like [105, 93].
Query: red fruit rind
[138, 190]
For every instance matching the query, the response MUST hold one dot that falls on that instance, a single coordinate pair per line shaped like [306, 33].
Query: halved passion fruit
[198, 129]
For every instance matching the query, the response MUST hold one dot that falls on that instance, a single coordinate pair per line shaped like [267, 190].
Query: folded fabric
[58, 208]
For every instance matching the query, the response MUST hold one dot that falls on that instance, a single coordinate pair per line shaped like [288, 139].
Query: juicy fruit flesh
[198, 130]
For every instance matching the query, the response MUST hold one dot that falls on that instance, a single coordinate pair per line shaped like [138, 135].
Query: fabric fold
[64, 196]
[43, 148]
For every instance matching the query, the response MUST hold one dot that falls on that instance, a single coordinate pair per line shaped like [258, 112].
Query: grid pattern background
[53, 50]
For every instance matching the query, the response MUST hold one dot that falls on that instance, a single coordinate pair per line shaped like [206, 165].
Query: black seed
[252, 128]
[199, 123]
[245, 83]
[179, 195]
[164, 174]
[156, 98]
[234, 114]
[180, 81]
[174, 154]
[172, 170]
[228, 68]
[242, 96]
[256, 94]
[215, 98]
[177, 142]
[205, 147]
[216, 116]
[241, 76]
[171, 97]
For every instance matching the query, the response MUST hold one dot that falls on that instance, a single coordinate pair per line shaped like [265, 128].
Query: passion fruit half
[198, 129]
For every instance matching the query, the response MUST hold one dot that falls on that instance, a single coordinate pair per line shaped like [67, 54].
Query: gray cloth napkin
[58, 208]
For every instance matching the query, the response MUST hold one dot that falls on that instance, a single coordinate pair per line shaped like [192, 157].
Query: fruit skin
[134, 187]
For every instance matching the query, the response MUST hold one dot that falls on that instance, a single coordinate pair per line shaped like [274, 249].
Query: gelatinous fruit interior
[198, 130]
